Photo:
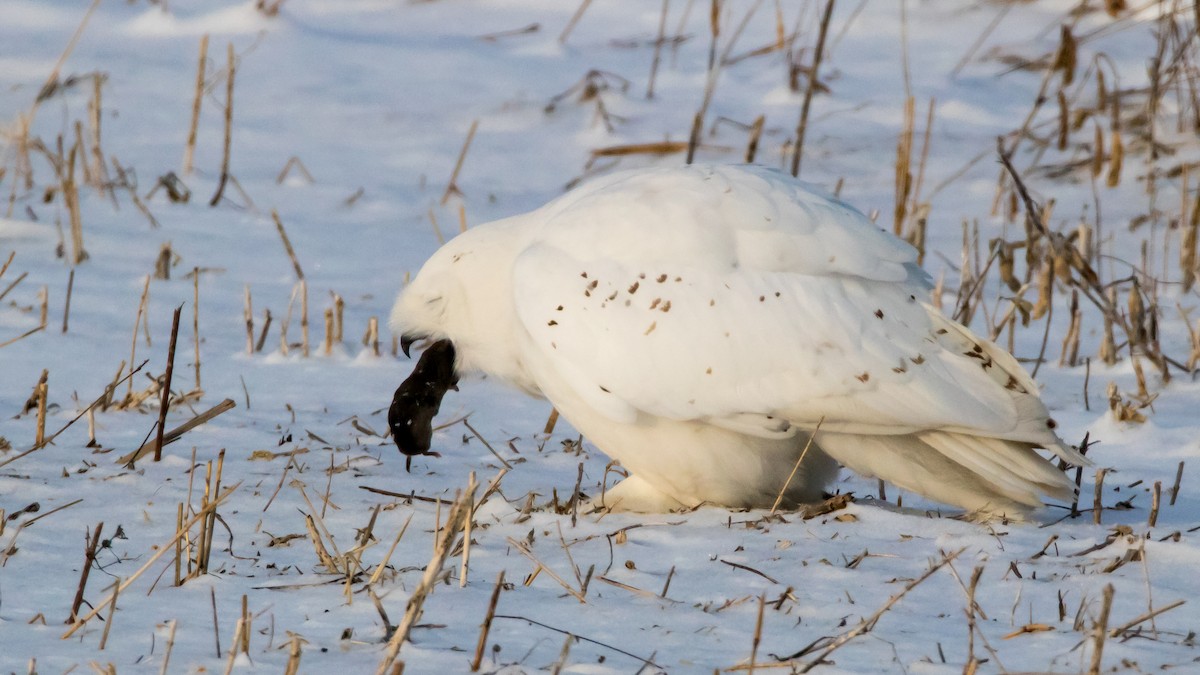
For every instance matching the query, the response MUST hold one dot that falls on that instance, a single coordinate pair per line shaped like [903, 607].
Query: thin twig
[802, 126]
[93, 404]
[869, 623]
[169, 545]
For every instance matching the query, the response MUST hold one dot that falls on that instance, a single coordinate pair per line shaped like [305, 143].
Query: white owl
[700, 324]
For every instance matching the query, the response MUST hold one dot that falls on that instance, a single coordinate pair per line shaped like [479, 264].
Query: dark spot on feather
[666, 306]
[628, 303]
[655, 303]
[864, 377]
[583, 274]
[650, 329]
[762, 298]
[919, 360]
[642, 275]
[558, 309]
[711, 302]
[709, 371]
[900, 370]
[592, 286]
[613, 296]
[977, 349]
[554, 345]
[879, 314]
[1051, 424]
[605, 389]
[661, 278]
[552, 322]
[633, 288]
[777, 294]
[587, 294]
[941, 331]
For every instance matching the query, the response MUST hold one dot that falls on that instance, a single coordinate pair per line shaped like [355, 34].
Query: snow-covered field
[375, 101]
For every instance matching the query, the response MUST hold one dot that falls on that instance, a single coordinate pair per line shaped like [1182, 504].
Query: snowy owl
[701, 324]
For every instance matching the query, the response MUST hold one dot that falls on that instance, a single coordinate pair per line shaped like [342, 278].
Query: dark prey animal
[418, 398]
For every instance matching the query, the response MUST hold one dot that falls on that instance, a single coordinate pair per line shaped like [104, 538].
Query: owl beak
[407, 340]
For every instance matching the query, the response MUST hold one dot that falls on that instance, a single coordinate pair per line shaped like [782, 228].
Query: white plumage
[698, 324]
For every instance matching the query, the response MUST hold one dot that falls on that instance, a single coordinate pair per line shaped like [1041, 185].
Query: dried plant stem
[107, 393]
[175, 434]
[1101, 631]
[235, 647]
[232, 68]
[802, 125]
[383, 563]
[339, 311]
[67, 306]
[293, 662]
[196, 320]
[1145, 617]
[1155, 499]
[170, 647]
[166, 387]
[465, 569]
[459, 511]
[562, 37]
[551, 422]
[658, 44]
[52, 79]
[328, 347]
[483, 440]
[70, 192]
[1175, 487]
[904, 177]
[524, 550]
[304, 317]
[452, 184]
[758, 624]
[371, 339]
[42, 394]
[1097, 500]
[210, 489]
[869, 623]
[190, 148]
[262, 338]
[212, 596]
[137, 320]
[796, 467]
[287, 244]
[179, 547]
[161, 550]
[89, 557]
[755, 134]
[487, 623]
[112, 613]
[694, 136]
[8, 288]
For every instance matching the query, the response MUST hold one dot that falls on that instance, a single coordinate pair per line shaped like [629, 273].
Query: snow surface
[378, 97]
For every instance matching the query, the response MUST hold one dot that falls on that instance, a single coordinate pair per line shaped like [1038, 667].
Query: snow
[378, 97]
